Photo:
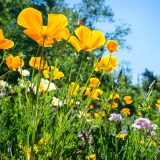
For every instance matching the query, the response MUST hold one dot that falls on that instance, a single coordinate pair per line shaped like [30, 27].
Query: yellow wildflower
[126, 111]
[14, 62]
[107, 63]
[38, 63]
[94, 82]
[127, 99]
[112, 46]
[87, 39]
[53, 72]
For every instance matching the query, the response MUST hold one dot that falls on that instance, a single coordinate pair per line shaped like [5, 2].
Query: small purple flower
[115, 117]
[143, 123]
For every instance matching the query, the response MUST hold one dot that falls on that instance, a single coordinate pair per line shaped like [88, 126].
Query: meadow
[67, 102]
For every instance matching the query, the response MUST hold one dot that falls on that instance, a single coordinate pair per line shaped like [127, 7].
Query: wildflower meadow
[65, 101]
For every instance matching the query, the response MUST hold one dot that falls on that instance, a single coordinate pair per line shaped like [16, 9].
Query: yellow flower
[85, 90]
[103, 113]
[38, 63]
[126, 111]
[114, 95]
[91, 106]
[158, 103]
[28, 152]
[112, 46]
[87, 115]
[96, 115]
[94, 82]
[5, 43]
[14, 62]
[91, 157]
[87, 39]
[74, 87]
[95, 94]
[53, 72]
[114, 105]
[31, 19]
[128, 99]
[123, 136]
[107, 63]
[36, 148]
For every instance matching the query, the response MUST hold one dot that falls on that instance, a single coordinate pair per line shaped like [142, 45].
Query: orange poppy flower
[112, 46]
[107, 63]
[31, 19]
[126, 111]
[5, 43]
[87, 39]
[38, 63]
[95, 94]
[14, 62]
[94, 82]
[128, 99]
[53, 72]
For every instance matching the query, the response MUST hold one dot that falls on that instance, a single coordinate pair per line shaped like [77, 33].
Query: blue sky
[144, 18]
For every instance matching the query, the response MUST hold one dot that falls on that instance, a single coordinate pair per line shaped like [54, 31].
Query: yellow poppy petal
[64, 33]
[97, 39]
[31, 19]
[35, 36]
[84, 34]
[76, 43]
[6, 44]
[1, 35]
[56, 22]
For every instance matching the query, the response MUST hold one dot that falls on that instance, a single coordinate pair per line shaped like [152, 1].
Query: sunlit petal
[97, 39]
[31, 19]
[76, 43]
[84, 34]
[56, 22]
[62, 34]
[6, 44]
[1, 35]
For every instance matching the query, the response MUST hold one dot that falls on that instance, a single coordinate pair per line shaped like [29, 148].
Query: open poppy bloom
[38, 63]
[112, 46]
[87, 39]
[128, 99]
[53, 72]
[14, 62]
[31, 19]
[5, 43]
[94, 82]
[107, 63]
[95, 94]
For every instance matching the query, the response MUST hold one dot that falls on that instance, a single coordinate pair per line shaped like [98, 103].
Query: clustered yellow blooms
[14, 62]
[56, 30]
[5, 43]
[53, 72]
[128, 99]
[38, 63]
[126, 111]
[158, 103]
[107, 63]
[87, 39]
